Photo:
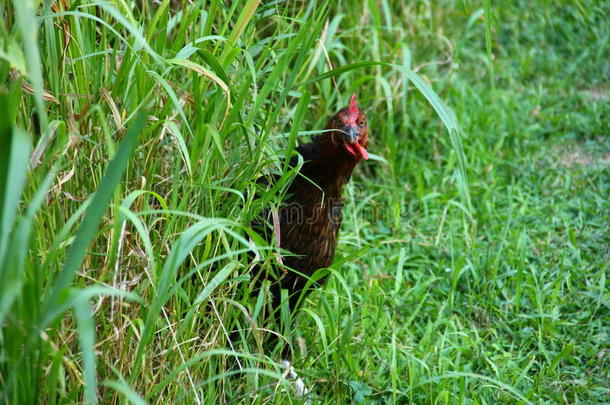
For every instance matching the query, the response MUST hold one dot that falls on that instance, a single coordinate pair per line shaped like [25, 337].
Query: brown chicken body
[311, 214]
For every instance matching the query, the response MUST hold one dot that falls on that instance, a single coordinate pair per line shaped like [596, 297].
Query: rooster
[310, 216]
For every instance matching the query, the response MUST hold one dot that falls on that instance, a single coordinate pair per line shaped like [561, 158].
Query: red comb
[353, 104]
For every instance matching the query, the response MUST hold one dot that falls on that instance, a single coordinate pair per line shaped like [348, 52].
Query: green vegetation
[124, 238]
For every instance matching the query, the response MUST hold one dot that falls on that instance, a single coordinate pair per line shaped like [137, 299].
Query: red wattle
[357, 150]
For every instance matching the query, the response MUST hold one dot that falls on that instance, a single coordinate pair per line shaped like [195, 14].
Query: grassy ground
[127, 294]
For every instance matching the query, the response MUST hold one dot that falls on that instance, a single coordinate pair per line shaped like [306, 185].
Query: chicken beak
[352, 134]
[351, 144]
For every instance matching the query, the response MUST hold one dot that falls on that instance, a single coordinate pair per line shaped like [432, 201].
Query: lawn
[472, 265]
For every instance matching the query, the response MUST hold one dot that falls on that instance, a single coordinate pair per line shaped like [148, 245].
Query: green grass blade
[86, 337]
[28, 25]
[12, 274]
[89, 293]
[188, 240]
[79, 300]
[492, 381]
[93, 215]
[242, 22]
[173, 97]
[136, 32]
[489, 41]
[128, 392]
[14, 155]
[174, 131]
[299, 117]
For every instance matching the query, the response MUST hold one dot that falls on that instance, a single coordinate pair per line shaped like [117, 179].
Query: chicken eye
[361, 123]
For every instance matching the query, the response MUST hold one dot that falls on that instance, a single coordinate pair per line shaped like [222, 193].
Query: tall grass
[131, 137]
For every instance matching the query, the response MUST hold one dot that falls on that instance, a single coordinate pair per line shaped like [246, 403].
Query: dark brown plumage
[310, 217]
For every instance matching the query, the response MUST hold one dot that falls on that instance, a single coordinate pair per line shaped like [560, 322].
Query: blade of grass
[188, 240]
[173, 129]
[12, 274]
[136, 32]
[93, 215]
[210, 75]
[128, 392]
[242, 22]
[489, 41]
[494, 383]
[86, 337]
[13, 169]
[28, 25]
[296, 124]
